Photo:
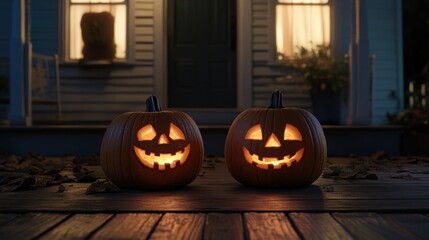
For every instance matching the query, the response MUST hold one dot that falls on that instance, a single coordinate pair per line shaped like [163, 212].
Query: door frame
[244, 53]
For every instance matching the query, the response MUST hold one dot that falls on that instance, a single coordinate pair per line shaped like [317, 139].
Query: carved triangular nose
[273, 141]
[163, 139]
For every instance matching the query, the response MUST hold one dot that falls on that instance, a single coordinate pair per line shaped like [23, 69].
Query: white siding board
[143, 13]
[143, 30]
[144, 39]
[144, 47]
[145, 6]
[144, 21]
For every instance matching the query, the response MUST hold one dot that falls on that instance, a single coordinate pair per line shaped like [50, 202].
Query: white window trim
[272, 31]
[64, 40]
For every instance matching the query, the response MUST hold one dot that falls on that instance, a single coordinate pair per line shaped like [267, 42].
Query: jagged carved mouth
[272, 162]
[162, 161]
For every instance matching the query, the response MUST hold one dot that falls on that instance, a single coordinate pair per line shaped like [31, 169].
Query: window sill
[104, 63]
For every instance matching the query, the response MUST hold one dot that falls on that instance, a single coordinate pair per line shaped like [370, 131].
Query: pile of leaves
[32, 171]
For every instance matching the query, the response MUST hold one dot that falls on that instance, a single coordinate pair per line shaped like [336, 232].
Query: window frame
[64, 38]
[273, 59]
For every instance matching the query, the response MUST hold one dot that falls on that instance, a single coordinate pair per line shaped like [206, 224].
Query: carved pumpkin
[275, 146]
[153, 149]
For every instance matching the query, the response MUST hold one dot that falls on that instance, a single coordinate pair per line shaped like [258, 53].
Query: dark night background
[416, 40]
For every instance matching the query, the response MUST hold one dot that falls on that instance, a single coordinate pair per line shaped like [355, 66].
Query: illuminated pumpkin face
[282, 153]
[275, 146]
[160, 155]
[154, 149]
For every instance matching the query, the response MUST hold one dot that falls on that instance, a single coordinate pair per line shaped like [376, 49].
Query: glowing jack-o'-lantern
[278, 147]
[291, 133]
[153, 149]
[161, 159]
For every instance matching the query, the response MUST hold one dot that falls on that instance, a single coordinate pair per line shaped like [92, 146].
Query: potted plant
[325, 76]
[416, 130]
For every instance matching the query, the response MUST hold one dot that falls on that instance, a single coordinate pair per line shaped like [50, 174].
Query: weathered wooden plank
[179, 226]
[78, 226]
[318, 226]
[269, 226]
[369, 226]
[30, 225]
[128, 226]
[6, 217]
[415, 224]
[216, 190]
[223, 226]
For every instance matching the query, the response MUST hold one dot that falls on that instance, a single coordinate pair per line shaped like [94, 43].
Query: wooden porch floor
[215, 206]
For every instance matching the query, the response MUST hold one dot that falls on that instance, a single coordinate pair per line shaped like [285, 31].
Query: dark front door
[202, 53]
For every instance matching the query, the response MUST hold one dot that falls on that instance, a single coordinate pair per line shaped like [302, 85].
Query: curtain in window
[301, 25]
[76, 12]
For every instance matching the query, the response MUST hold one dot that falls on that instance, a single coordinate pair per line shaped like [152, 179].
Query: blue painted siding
[5, 26]
[385, 37]
[44, 26]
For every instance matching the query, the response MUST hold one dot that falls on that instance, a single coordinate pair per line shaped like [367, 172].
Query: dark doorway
[202, 53]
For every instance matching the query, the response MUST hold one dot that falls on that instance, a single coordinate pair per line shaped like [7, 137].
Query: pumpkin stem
[276, 99]
[152, 104]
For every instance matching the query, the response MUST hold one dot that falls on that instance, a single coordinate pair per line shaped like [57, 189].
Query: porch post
[19, 61]
[359, 95]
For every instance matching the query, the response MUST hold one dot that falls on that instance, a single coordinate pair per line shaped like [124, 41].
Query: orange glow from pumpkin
[274, 162]
[161, 160]
[146, 133]
[176, 133]
[164, 159]
[273, 141]
[163, 139]
[292, 133]
[254, 133]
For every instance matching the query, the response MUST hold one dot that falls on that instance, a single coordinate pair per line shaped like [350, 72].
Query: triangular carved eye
[292, 133]
[146, 133]
[254, 133]
[176, 133]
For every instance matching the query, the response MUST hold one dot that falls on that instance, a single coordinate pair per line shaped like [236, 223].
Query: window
[301, 23]
[97, 29]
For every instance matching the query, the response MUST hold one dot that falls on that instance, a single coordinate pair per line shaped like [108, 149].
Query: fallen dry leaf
[102, 186]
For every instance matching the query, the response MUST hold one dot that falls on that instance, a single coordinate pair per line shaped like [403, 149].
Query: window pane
[301, 25]
[76, 13]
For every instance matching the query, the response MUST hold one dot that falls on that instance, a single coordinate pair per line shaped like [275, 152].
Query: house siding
[99, 93]
[267, 76]
[385, 40]
[385, 37]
